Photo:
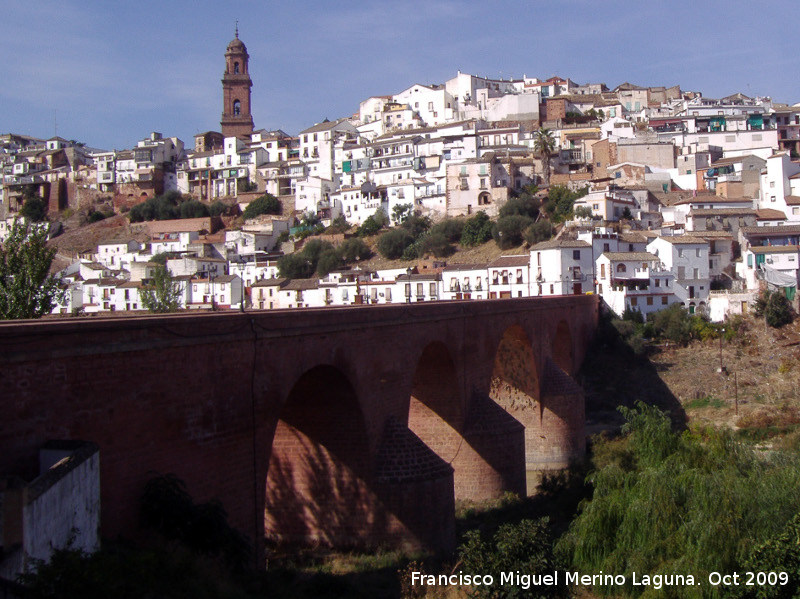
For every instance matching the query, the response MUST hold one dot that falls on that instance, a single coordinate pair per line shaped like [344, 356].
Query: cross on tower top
[237, 29]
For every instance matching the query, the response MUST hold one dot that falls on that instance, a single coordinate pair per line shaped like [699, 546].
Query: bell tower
[236, 84]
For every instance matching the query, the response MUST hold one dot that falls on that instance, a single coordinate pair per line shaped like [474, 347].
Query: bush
[673, 324]
[416, 225]
[217, 208]
[339, 225]
[525, 205]
[665, 502]
[401, 212]
[451, 228]
[295, 266]
[435, 244]
[328, 261]
[393, 243]
[538, 232]
[508, 230]
[167, 508]
[560, 201]
[354, 250]
[266, 204]
[163, 207]
[194, 209]
[774, 307]
[95, 216]
[584, 212]
[34, 209]
[525, 548]
[477, 230]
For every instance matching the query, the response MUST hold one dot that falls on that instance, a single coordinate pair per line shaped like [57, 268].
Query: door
[577, 289]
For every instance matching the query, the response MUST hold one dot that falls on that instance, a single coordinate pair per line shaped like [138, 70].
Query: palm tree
[544, 146]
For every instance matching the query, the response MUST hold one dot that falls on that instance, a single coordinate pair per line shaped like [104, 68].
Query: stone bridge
[338, 426]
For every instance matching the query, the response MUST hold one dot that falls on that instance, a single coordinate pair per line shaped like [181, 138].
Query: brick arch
[515, 377]
[318, 480]
[563, 353]
[436, 408]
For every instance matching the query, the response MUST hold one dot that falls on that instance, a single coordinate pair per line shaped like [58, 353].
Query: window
[432, 290]
[663, 300]
[551, 289]
[680, 252]
[237, 107]
[519, 275]
[430, 105]
[634, 301]
[696, 273]
[420, 290]
[576, 254]
[602, 271]
[697, 252]
[621, 268]
[235, 67]
[681, 272]
[388, 295]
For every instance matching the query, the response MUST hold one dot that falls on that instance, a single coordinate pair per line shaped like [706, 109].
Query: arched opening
[236, 67]
[484, 199]
[515, 388]
[237, 107]
[515, 382]
[562, 347]
[317, 491]
[621, 268]
[435, 412]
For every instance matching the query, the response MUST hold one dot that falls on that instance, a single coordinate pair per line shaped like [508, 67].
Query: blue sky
[111, 72]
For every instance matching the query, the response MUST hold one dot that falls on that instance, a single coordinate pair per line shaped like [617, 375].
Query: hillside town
[684, 199]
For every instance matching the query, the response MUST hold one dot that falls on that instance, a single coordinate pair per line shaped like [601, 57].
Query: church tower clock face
[236, 84]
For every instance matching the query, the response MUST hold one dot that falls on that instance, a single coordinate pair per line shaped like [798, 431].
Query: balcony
[571, 156]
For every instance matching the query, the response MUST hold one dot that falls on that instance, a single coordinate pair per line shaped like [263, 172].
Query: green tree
[266, 204]
[393, 243]
[544, 146]
[295, 266]
[34, 209]
[538, 232]
[525, 205]
[401, 212]
[524, 547]
[508, 230]
[162, 294]
[584, 212]
[354, 250]
[451, 228]
[27, 289]
[417, 225]
[217, 208]
[774, 307]
[477, 230]
[193, 209]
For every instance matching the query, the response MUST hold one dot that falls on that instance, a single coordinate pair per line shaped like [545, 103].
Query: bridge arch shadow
[563, 351]
[318, 488]
[326, 487]
[483, 444]
[547, 402]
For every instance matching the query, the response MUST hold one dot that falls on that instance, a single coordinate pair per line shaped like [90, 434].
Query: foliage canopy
[27, 289]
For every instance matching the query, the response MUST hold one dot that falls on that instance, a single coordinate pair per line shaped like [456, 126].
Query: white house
[509, 276]
[634, 280]
[687, 258]
[465, 281]
[562, 267]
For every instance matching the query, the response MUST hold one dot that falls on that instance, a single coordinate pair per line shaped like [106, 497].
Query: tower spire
[237, 29]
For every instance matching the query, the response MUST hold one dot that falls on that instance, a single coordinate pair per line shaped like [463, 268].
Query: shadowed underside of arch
[317, 484]
[484, 446]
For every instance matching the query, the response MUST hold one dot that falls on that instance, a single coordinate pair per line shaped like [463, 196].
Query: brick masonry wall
[201, 396]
